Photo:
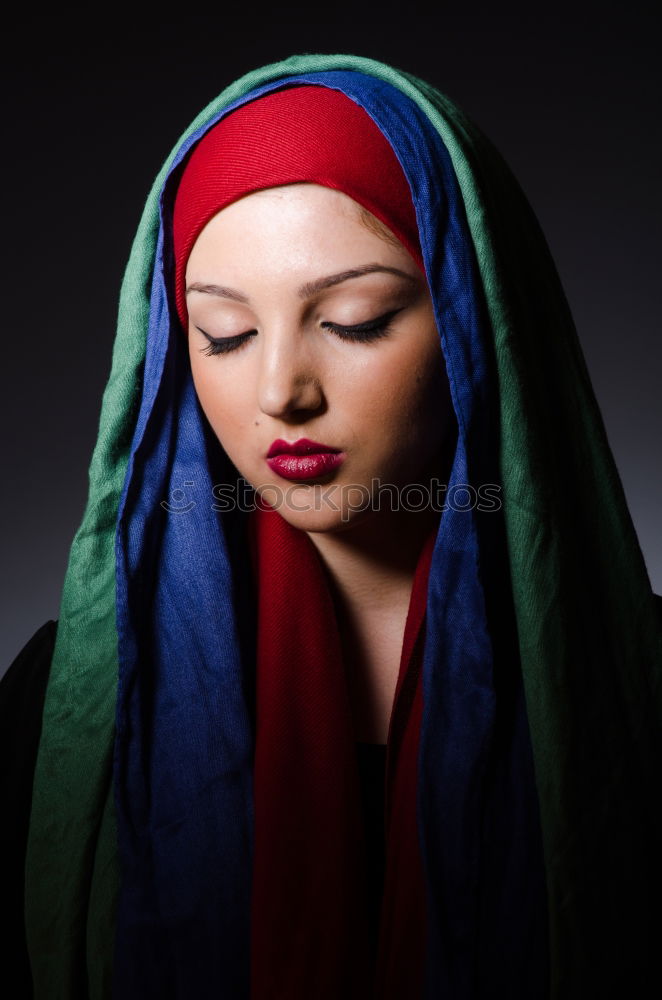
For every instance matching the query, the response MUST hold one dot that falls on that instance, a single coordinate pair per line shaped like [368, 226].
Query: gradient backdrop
[569, 95]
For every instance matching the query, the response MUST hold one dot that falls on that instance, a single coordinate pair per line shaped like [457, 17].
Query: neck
[373, 560]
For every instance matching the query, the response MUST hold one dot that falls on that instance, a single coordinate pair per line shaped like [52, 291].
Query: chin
[316, 508]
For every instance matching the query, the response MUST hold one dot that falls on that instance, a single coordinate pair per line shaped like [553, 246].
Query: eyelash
[362, 333]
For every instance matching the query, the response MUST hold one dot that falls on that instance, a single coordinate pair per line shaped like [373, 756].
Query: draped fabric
[540, 680]
[310, 922]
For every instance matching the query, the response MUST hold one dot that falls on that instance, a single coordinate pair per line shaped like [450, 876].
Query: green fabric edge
[70, 897]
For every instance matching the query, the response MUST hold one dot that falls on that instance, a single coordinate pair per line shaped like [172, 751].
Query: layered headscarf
[541, 664]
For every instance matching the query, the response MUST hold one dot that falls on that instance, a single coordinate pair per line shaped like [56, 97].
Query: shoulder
[22, 695]
[28, 672]
[39, 645]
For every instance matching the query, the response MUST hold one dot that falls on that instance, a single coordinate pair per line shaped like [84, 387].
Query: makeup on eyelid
[366, 332]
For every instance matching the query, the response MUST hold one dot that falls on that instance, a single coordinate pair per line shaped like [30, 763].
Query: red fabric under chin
[309, 932]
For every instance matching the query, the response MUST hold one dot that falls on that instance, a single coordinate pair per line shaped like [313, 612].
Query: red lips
[303, 459]
[304, 446]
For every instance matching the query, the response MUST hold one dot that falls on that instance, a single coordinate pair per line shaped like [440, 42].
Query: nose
[290, 383]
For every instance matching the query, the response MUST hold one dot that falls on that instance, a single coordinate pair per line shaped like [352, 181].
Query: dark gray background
[570, 97]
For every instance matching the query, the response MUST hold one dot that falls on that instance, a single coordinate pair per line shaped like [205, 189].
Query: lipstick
[303, 459]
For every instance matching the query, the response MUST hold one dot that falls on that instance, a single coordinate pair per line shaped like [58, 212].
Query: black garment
[22, 693]
[372, 771]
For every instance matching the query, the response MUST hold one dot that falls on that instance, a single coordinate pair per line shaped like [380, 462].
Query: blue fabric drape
[183, 759]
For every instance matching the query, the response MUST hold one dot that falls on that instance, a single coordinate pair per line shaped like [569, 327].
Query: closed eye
[222, 345]
[371, 330]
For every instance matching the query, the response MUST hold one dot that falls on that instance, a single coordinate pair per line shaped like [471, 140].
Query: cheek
[412, 387]
[414, 407]
[222, 400]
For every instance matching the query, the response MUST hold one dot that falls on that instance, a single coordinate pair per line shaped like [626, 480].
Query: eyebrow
[307, 290]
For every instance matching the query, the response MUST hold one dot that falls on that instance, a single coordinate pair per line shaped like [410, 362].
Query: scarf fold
[310, 934]
[540, 682]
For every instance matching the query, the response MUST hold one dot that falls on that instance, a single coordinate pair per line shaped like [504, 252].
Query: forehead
[295, 197]
[291, 218]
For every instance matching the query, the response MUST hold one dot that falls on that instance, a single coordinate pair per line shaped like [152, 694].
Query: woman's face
[326, 332]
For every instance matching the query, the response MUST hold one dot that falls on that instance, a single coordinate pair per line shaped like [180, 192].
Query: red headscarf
[310, 928]
[302, 133]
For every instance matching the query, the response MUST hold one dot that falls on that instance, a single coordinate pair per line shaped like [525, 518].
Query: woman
[335, 262]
